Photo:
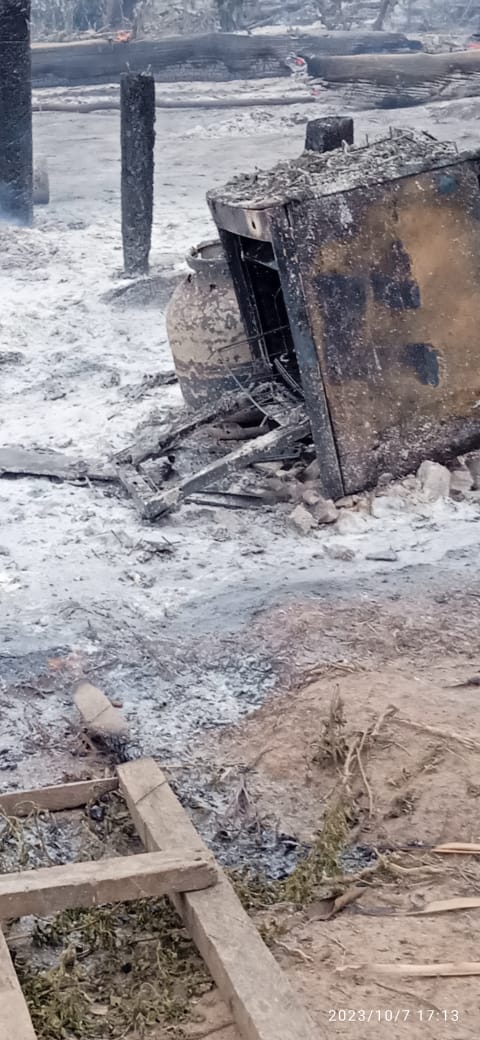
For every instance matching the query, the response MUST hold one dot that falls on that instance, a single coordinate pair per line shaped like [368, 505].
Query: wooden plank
[51, 889]
[57, 798]
[100, 717]
[15, 1021]
[264, 1005]
[43, 462]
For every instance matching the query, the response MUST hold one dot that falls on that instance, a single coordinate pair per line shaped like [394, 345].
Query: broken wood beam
[140, 491]
[264, 1004]
[15, 1021]
[56, 798]
[261, 448]
[324, 135]
[395, 71]
[148, 875]
[44, 462]
[137, 119]
[238, 101]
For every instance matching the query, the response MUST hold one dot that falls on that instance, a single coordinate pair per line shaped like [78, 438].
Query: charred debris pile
[327, 341]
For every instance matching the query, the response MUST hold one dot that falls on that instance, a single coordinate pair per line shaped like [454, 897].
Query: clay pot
[206, 334]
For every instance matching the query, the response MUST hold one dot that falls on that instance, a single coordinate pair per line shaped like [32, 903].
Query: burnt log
[137, 119]
[219, 56]
[16, 154]
[393, 71]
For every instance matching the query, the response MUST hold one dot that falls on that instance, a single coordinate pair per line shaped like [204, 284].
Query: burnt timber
[16, 153]
[216, 56]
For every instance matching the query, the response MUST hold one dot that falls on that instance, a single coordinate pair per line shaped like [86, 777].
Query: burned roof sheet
[313, 174]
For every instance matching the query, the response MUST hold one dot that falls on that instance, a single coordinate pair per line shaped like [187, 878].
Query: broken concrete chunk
[435, 479]
[325, 511]
[461, 480]
[301, 520]
[311, 496]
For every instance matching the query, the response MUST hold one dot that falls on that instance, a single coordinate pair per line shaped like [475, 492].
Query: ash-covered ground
[172, 635]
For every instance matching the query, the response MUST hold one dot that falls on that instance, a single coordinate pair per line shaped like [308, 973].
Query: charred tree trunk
[137, 116]
[323, 135]
[16, 154]
[386, 7]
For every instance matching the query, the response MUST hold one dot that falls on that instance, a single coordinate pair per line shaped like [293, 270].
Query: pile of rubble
[433, 481]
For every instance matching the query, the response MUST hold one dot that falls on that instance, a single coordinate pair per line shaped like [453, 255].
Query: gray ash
[312, 175]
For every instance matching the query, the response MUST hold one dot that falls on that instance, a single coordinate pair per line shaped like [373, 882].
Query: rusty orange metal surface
[391, 278]
[377, 251]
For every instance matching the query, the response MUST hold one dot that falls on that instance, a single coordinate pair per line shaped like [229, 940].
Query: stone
[461, 480]
[340, 552]
[347, 502]
[473, 463]
[301, 520]
[435, 479]
[311, 496]
[325, 511]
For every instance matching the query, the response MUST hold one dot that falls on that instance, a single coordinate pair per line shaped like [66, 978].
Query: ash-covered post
[324, 135]
[137, 105]
[16, 152]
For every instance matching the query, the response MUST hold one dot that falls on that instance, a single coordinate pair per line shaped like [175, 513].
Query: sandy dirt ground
[226, 653]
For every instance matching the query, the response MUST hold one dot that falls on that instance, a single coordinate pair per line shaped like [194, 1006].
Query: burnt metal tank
[205, 330]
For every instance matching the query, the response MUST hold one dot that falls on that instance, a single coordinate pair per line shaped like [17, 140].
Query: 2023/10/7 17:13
[394, 1015]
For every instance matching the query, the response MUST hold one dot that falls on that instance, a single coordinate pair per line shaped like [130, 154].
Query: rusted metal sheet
[377, 254]
[289, 266]
[391, 277]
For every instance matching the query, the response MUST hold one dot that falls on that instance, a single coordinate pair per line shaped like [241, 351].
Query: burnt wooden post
[323, 135]
[16, 160]
[137, 112]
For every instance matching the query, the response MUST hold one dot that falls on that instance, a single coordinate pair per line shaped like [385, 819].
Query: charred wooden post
[324, 135]
[137, 103]
[16, 171]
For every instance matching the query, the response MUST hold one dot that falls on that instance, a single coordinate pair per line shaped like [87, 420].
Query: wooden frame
[263, 1003]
